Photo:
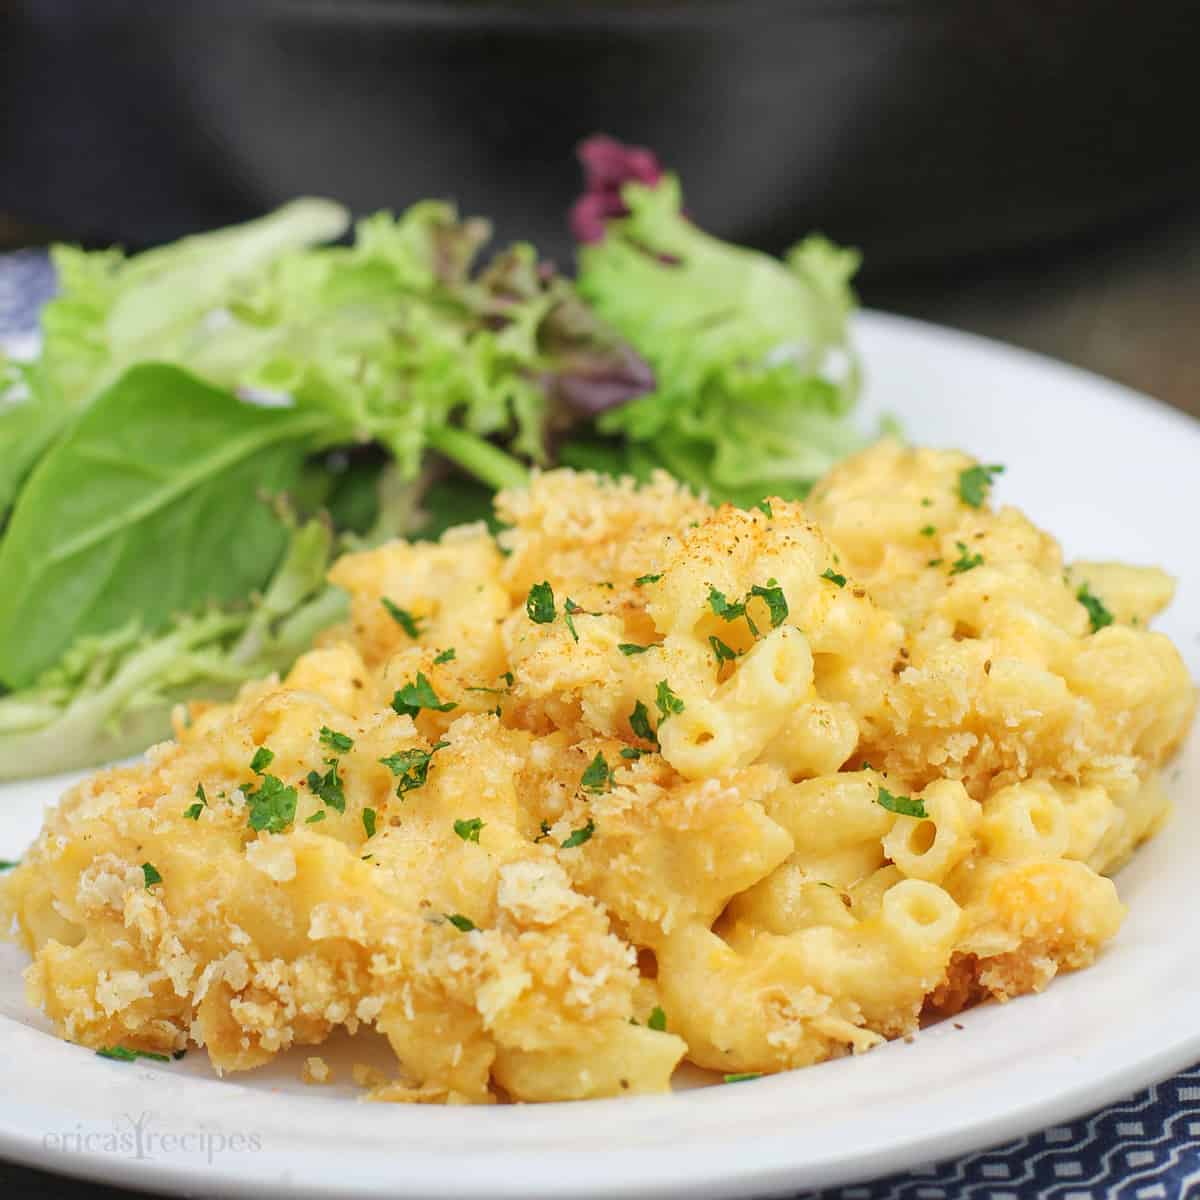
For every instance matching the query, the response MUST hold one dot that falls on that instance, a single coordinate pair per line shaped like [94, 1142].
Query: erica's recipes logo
[137, 1137]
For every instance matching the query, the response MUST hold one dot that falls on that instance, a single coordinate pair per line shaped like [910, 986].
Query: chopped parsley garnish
[965, 560]
[124, 1054]
[657, 1020]
[509, 678]
[319, 815]
[906, 806]
[569, 611]
[579, 836]
[412, 697]
[368, 819]
[598, 776]
[461, 923]
[445, 657]
[928, 530]
[776, 602]
[262, 759]
[935, 562]
[545, 832]
[333, 740]
[117, 1053]
[721, 606]
[764, 506]
[631, 648]
[271, 806]
[668, 703]
[771, 593]
[926, 502]
[743, 1076]
[632, 753]
[469, 830]
[328, 786]
[723, 652]
[1098, 614]
[540, 603]
[411, 767]
[193, 811]
[975, 482]
[150, 875]
[410, 624]
[7, 864]
[833, 577]
[639, 722]
[642, 580]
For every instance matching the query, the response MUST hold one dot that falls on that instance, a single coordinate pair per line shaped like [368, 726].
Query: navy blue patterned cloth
[1145, 1148]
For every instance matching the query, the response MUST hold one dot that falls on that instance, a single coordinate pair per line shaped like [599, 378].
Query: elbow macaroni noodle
[784, 785]
[931, 847]
[732, 727]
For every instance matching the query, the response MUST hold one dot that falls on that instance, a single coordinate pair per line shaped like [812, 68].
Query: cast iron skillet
[917, 129]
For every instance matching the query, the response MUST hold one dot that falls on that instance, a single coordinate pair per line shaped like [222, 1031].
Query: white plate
[1113, 475]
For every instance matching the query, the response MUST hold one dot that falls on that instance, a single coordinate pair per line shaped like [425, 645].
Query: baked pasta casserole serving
[637, 781]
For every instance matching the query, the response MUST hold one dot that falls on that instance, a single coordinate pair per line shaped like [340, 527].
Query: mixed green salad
[209, 423]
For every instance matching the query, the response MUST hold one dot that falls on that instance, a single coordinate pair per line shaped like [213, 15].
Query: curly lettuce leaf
[755, 375]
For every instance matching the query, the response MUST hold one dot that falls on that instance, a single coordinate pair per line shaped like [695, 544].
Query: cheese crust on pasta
[637, 781]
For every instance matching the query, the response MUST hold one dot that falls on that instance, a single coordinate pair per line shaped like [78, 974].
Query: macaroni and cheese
[635, 782]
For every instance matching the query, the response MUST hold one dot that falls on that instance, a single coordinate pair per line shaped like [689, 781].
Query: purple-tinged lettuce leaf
[607, 166]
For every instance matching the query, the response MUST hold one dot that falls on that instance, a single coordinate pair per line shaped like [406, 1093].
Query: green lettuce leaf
[149, 505]
[111, 695]
[29, 422]
[755, 374]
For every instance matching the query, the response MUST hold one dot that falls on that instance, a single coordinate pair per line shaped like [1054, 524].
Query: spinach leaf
[150, 505]
[28, 424]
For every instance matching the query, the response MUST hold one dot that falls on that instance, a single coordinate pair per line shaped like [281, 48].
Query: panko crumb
[316, 1070]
